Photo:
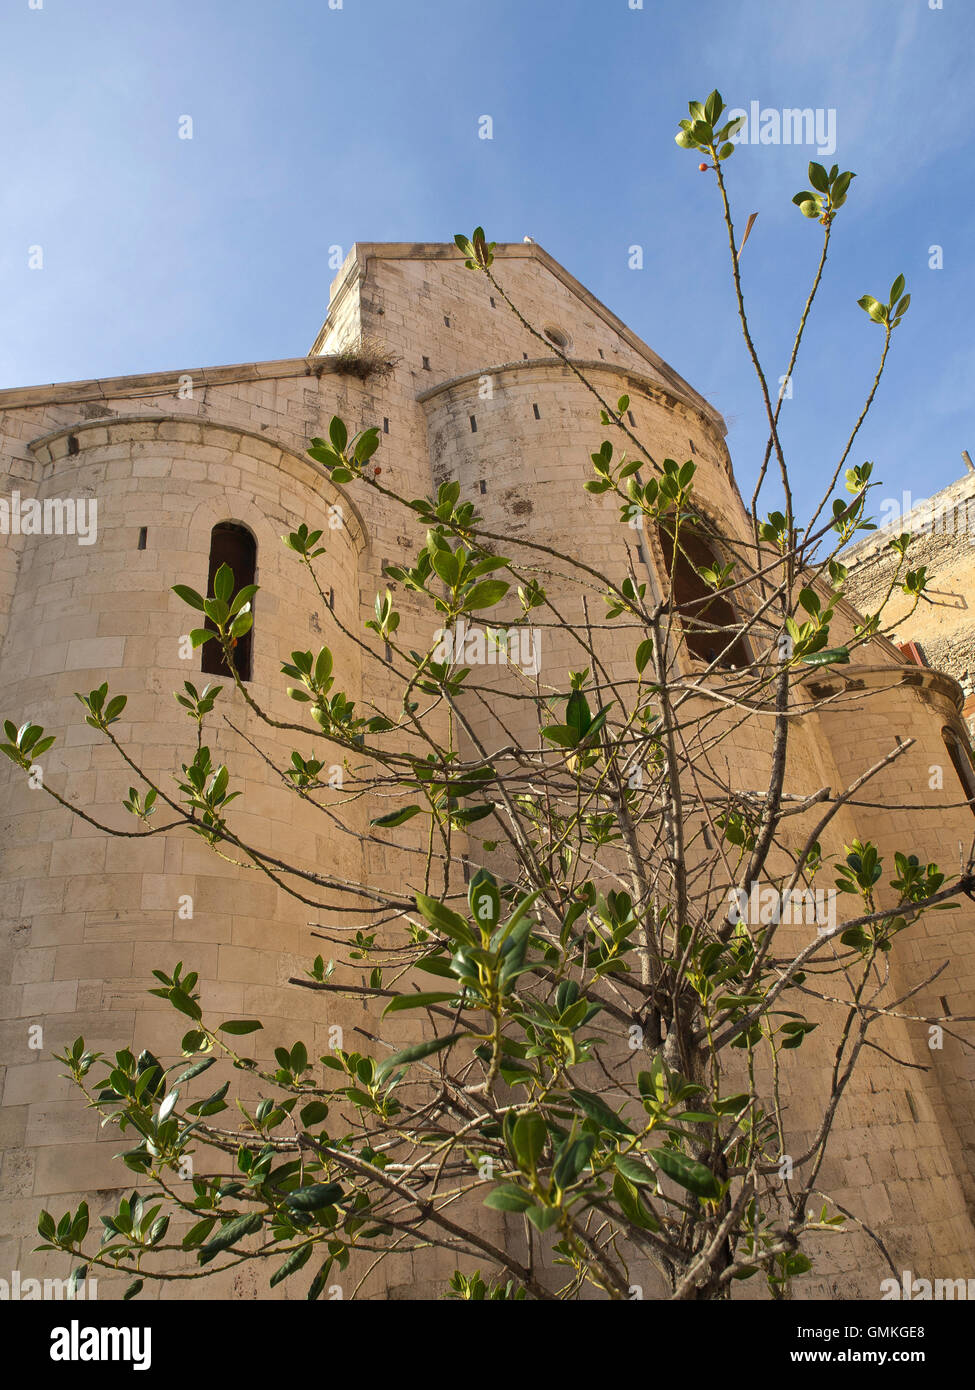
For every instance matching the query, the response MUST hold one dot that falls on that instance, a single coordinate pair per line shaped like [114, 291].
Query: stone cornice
[558, 371]
[853, 678]
[153, 383]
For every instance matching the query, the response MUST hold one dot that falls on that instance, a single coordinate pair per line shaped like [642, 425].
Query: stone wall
[943, 622]
[87, 916]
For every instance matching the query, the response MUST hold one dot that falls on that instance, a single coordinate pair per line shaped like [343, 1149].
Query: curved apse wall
[89, 916]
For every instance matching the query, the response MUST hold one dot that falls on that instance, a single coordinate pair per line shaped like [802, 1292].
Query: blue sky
[315, 127]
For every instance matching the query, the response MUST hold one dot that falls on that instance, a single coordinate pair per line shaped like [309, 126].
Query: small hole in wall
[483, 487]
[143, 536]
[707, 836]
[691, 443]
[467, 870]
[473, 424]
[945, 1006]
[72, 443]
[446, 320]
[601, 353]
[536, 411]
[629, 416]
[389, 652]
[525, 356]
[385, 425]
[641, 555]
[426, 364]
[493, 305]
[331, 599]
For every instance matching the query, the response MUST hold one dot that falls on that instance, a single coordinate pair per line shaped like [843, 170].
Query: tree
[616, 857]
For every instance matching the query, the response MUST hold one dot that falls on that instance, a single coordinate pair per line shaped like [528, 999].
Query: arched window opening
[233, 545]
[707, 617]
[961, 761]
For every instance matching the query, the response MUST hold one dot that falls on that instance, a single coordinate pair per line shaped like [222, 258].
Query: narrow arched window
[961, 761]
[708, 619]
[233, 545]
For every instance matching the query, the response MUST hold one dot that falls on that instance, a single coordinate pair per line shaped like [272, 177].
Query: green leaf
[338, 433]
[230, 1234]
[182, 1001]
[873, 307]
[596, 1109]
[444, 918]
[168, 1106]
[418, 1001]
[687, 1172]
[435, 965]
[367, 444]
[818, 178]
[471, 815]
[643, 654]
[198, 1233]
[447, 566]
[415, 1054]
[831, 657]
[320, 1280]
[634, 1171]
[840, 187]
[239, 1026]
[485, 594]
[292, 1264]
[542, 1218]
[485, 901]
[529, 1136]
[631, 1206]
[223, 583]
[189, 596]
[730, 1105]
[562, 735]
[315, 1196]
[79, 1228]
[507, 1197]
[572, 1159]
[397, 817]
[244, 596]
[113, 709]
[578, 715]
[314, 1112]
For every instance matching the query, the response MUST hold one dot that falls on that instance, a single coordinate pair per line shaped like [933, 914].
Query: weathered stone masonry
[86, 917]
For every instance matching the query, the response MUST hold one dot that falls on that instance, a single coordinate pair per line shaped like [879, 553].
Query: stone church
[183, 463]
